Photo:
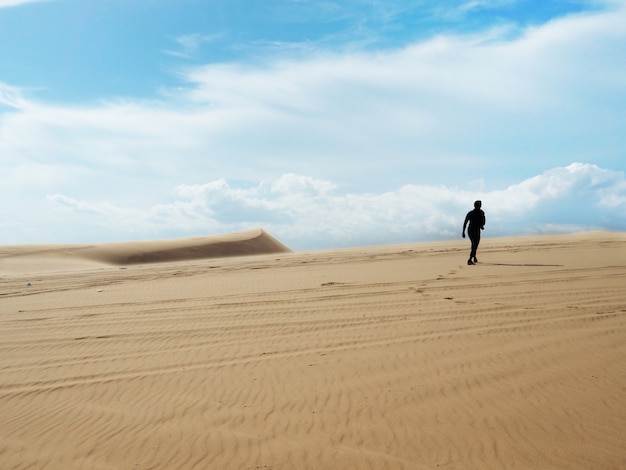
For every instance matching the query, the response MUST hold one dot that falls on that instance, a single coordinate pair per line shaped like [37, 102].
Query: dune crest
[250, 242]
[33, 258]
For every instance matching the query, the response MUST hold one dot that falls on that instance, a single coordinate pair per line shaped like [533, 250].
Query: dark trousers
[474, 236]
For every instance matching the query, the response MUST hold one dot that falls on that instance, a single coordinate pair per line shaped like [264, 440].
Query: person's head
[477, 204]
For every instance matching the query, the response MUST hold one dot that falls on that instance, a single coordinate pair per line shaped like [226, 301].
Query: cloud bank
[307, 213]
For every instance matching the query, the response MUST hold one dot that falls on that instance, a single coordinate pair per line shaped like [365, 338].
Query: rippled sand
[162, 355]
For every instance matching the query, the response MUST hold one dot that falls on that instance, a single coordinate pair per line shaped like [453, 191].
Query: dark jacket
[476, 219]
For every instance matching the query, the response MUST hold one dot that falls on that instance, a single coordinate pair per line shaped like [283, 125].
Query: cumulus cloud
[307, 213]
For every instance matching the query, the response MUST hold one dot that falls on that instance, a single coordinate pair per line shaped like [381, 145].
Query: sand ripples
[383, 358]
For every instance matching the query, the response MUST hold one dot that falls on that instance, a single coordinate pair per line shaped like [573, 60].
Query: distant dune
[46, 257]
[251, 242]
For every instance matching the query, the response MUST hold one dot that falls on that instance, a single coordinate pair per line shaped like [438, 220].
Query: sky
[329, 123]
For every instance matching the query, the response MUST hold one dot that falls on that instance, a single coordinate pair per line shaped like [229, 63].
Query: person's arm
[484, 222]
[465, 225]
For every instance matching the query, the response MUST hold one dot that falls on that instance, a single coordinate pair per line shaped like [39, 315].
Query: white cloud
[555, 90]
[556, 94]
[307, 213]
[15, 3]
[11, 96]
[190, 44]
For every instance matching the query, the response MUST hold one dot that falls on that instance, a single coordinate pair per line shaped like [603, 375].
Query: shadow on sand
[526, 264]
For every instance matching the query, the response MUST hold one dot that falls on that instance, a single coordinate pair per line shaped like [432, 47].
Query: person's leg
[472, 252]
[475, 242]
[475, 239]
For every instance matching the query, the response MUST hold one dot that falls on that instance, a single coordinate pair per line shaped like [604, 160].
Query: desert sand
[233, 352]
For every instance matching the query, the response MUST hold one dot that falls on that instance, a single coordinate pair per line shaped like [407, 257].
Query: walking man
[476, 220]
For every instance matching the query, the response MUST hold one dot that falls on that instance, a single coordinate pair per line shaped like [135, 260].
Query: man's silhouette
[476, 219]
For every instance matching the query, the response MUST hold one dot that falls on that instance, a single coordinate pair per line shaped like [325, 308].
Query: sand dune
[54, 257]
[252, 242]
[396, 357]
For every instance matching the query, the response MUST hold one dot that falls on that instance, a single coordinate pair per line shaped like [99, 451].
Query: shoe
[470, 262]
[475, 260]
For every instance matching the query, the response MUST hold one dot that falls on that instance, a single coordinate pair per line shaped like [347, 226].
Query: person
[476, 220]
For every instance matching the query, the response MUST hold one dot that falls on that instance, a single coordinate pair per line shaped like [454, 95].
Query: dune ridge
[250, 242]
[392, 357]
[245, 243]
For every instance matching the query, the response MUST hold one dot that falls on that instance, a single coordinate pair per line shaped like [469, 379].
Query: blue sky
[328, 123]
